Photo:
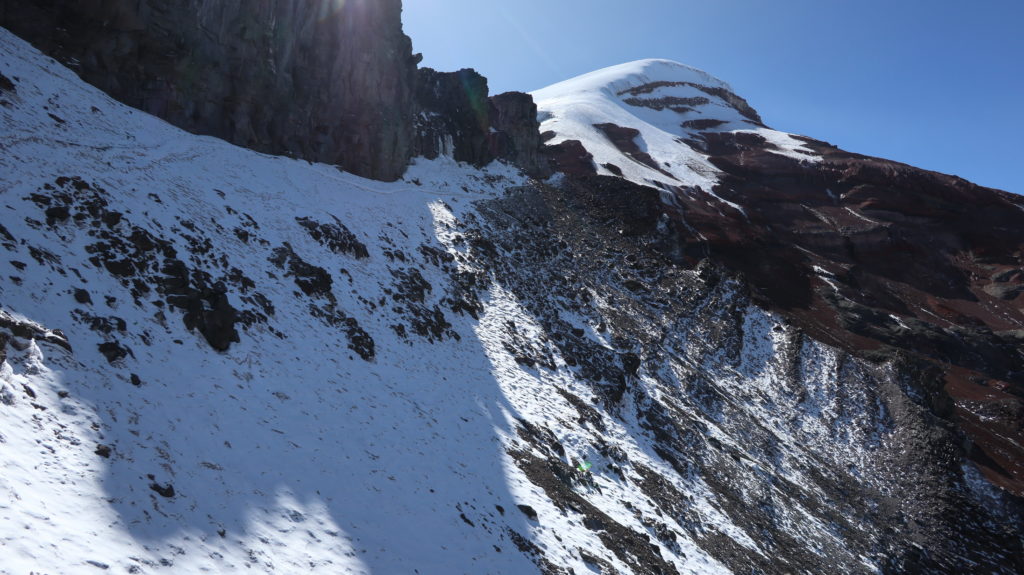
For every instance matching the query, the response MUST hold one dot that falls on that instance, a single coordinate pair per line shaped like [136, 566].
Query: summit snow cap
[631, 75]
[643, 121]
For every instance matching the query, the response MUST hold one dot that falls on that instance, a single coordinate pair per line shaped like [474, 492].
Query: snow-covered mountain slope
[876, 257]
[338, 434]
[638, 120]
[219, 361]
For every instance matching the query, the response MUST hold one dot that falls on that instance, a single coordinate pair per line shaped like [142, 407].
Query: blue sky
[938, 84]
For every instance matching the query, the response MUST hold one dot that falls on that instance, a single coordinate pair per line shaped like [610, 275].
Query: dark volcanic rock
[57, 214]
[335, 237]
[676, 104]
[359, 340]
[570, 157]
[166, 491]
[312, 280]
[114, 351]
[331, 83]
[689, 331]
[528, 511]
[516, 135]
[729, 97]
[206, 306]
[142, 261]
[625, 140]
[702, 124]
[457, 118]
[210, 312]
[6, 84]
[82, 296]
[14, 331]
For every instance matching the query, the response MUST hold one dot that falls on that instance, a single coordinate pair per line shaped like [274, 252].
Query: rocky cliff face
[325, 81]
[458, 119]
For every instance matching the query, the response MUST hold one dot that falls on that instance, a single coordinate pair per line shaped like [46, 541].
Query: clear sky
[938, 84]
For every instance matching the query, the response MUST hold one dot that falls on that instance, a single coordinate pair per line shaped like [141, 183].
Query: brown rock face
[327, 81]
[571, 158]
[881, 259]
[888, 261]
[625, 140]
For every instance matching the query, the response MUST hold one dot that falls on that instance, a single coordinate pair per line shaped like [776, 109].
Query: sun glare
[329, 8]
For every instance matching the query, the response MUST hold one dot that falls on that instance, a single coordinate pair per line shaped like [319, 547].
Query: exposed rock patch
[570, 157]
[166, 491]
[317, 284]
[142, 262]
[114, 351]
[625, 140]
[674, 103]
[516, 136]
[702, 124]
[636, 288]
[410, 291]
[17, 333]
[335, 237]
[6, 84]
[729, 97]
[875, 257]
[313, 280]
[82, 296]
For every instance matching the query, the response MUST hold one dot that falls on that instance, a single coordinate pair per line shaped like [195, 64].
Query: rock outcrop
[457, 118]
[324, 81]
[516, 136]
[453, 118]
